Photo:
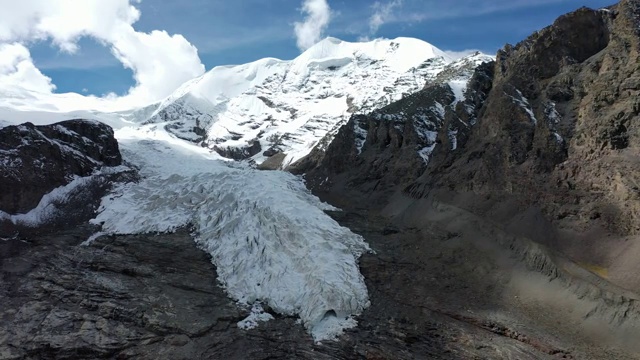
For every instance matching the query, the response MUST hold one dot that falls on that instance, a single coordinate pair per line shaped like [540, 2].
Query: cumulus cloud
[382, 13]
[160, 62]
[311, 30]
[17, 69]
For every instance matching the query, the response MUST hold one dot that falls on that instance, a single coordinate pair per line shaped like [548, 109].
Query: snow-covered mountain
[273, 106]
[268, 236]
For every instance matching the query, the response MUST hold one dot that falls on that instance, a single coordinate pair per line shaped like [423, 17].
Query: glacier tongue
[268, 236]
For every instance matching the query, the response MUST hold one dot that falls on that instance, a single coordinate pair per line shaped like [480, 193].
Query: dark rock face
[559, 129]
[37, 159]
[462, 119]
[553, 123]
[572, 39]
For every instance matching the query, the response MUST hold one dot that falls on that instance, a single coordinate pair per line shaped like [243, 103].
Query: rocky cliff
[38, 159]
[558, 132]
[551, 124]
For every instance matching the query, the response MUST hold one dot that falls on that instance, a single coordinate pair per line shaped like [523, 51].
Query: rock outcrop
[37, 159]
[559, 132]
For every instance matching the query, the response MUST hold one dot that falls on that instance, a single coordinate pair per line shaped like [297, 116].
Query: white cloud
[64, 21]
[312, 29]
[160, 62]
[382, 14]
[17, 69]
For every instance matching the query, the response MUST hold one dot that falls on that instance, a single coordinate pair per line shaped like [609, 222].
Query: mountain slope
[374, 153]
[535, 171]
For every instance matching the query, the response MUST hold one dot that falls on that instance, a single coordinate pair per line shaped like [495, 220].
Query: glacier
[267, 234]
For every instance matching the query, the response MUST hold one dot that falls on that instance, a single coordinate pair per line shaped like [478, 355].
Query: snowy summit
[274, 106]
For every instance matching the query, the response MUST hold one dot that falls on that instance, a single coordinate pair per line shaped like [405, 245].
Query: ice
[48, 207]
[458, 87]
[558, 137]
[425, 153]
[267, 234]
[332, 326]
[453, 138]
[523, 102]
[256, 316]
[360, 135]
[552, 114]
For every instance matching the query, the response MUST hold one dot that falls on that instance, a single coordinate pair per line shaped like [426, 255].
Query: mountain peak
[376, 49]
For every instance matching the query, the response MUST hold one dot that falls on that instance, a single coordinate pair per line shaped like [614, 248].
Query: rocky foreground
[156, 297]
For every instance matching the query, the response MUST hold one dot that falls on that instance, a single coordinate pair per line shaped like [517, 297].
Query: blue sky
[240, 31]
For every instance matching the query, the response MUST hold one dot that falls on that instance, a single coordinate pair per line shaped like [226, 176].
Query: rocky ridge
[543, 154]
[375, 153]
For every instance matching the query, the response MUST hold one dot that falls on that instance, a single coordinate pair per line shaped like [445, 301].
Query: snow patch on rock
[523, 103]
[49, 206]
[256, 316]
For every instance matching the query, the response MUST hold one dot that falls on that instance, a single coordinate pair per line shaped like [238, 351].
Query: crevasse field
[268, 236]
